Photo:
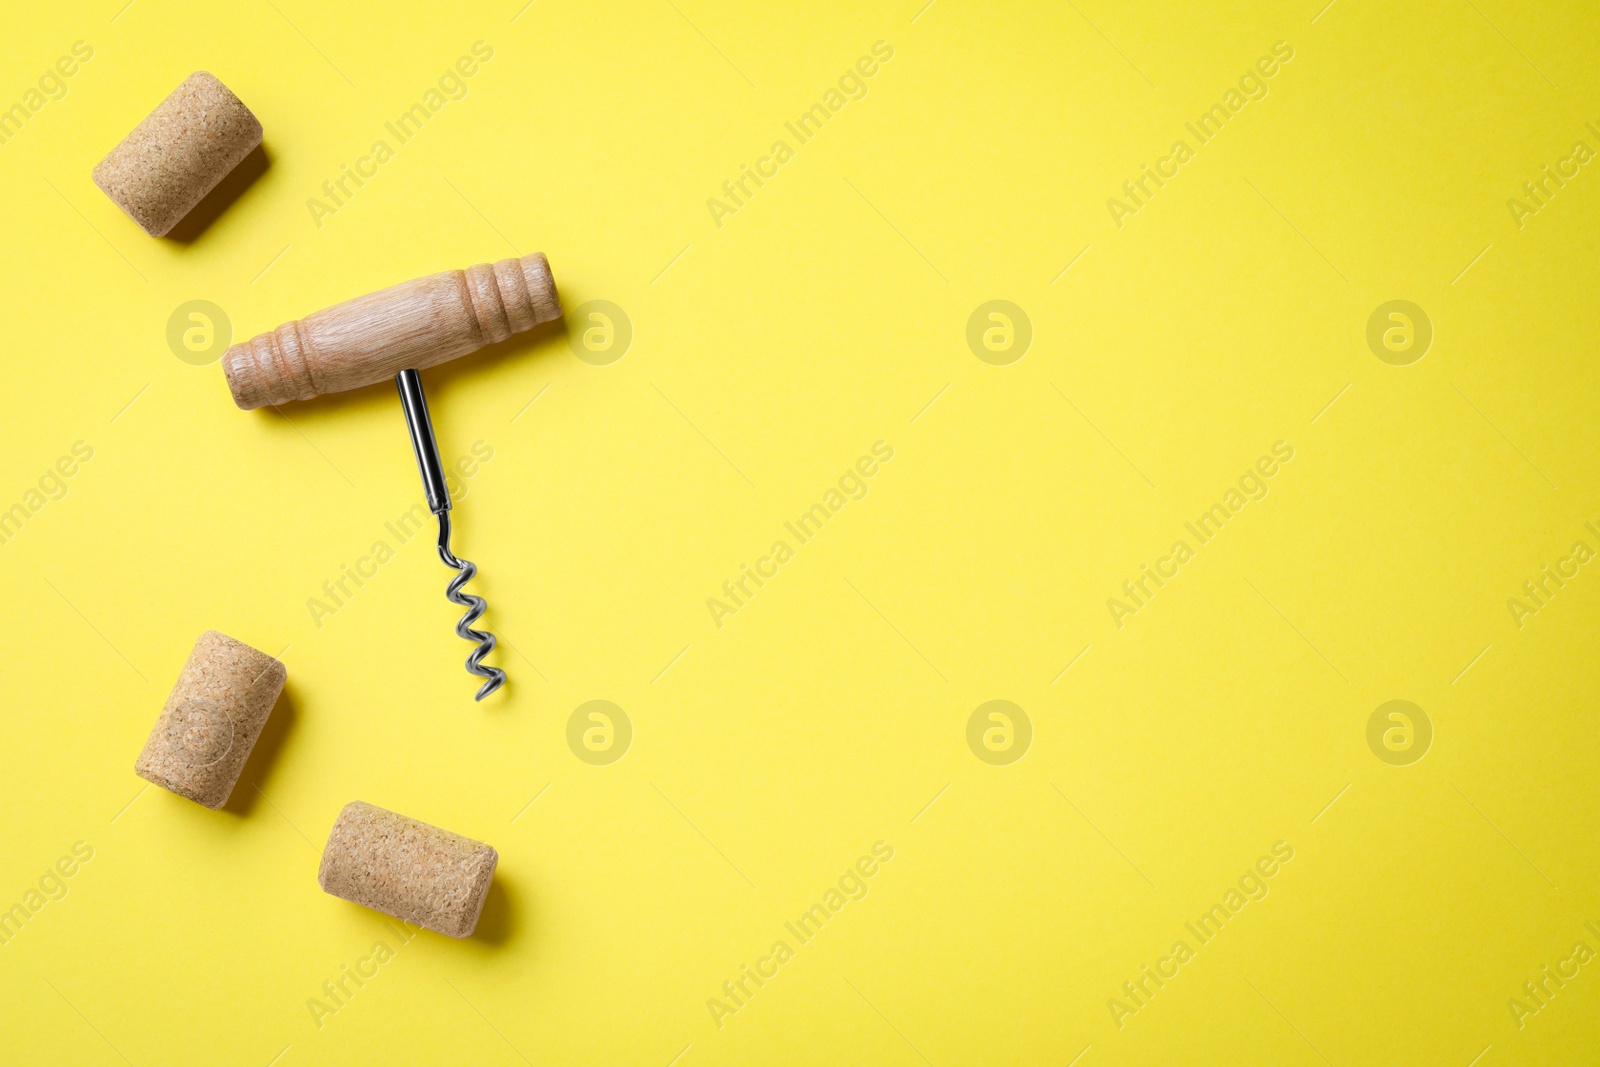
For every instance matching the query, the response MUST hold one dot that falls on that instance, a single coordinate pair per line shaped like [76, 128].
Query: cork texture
[212, 719]
[179, 153]
[408, 869]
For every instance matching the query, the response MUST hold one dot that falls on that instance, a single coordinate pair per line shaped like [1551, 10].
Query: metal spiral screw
[475, 606]
[426, 447]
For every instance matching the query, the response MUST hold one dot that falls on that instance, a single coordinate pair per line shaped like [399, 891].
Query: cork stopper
[179, 153]
[427, 876]
[212, 719]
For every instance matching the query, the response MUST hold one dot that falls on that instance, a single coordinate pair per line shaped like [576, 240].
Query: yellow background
[768, 355]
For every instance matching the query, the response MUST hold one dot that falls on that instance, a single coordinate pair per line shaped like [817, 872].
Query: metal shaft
[423, 443]
[415, 405]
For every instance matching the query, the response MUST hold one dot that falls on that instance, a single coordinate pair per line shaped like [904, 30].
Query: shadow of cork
[218, 200]
[257, 772]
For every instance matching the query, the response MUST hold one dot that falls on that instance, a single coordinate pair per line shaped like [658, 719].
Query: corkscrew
[415, 406]
[396, 333]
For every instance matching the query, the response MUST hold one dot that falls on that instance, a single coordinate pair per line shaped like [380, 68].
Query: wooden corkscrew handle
[409, 326]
